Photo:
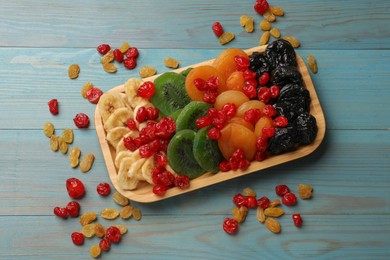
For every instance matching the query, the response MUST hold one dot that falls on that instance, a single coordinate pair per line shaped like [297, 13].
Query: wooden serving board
[144, 193]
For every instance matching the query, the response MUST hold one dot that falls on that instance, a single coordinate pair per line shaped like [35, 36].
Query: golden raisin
[95, 251]
[294, 42]
[171, 63]
[311, 61]
[48, 129]
[124, 47]
[243, 20]
[109, 67]
[120, 199]
[122, 228]
[86, 162]
[273, 212]
[248, 192]
[270, 17]
[249, 25]
[108, 57]
[74, 156]
[265, 25]
[87, 86]
[54, 143]
[87, 218]
[226, 37]
[137, 214]
[99, 230]
[276, 10]
[67, 135]
[273, 225]
[275, 32]
[88, 230]
[264, 38]
[260, 214]
[147, 71]
[109, 213]
[126, 212]
[73, 71]
[62, 145]
[305, 191]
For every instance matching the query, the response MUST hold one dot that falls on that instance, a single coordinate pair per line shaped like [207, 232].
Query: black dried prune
[291, 109]
[291, 91]
[283, 75]
[284, 140]
[258, 63]
[280, 53]
[307, 129]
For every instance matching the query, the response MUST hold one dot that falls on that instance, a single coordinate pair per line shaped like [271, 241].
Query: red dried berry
[103, 189]
[263, 202]
[230, 226]
[262, 143]
[239, 200]
[160, 160]
[73, 208]
[131, 124]
[281, 189]
[260, 156]
[263, 79]
[224, 166]
[53, 106]
[146, 90]
[249, 74]
[281, 121]
[104, 244]
[182, 182]
[167, 179]
[242, 63]
[60, 212]
[165, 128]
[261, 6]
[252, 115]
[251, 202]
[130, 144]
[118, 55]
[152, 112]
[249, 90]
[142, 115]
[275, 91]
[113, 234]
[297, 219]
[269, 110]
[132, 52]
[289, 199]
[217, 29]
[81, 120]
[130, 63]
[230, 110]
[214, 133]
[243, 164]
[200, 84]
[202, 122]
[75, 188]
[94, 94]
[268, 131]
[77, 238]
[264, 94]
[159, 189]
[210, 96]
[103, 48]
[212, 83]
[219, 119]
[145, 151]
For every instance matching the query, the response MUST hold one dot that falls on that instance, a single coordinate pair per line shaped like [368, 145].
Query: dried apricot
[225, 62]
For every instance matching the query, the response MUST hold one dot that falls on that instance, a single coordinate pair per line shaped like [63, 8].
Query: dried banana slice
[147, 169]
[108, 103]
[135, 170]
[114, 135]
[125, 180]
[131, 87]
[125, 154]
[118, 118]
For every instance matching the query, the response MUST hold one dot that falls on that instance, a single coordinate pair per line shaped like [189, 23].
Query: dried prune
[280, 53]
[258, 63]
[306, 125]
[291, 91]
[283, 75]
[284, 140]
[292, 108]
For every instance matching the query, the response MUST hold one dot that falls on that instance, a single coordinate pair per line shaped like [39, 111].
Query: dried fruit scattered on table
[273, 212]
[297, 219]
[265, 25]
[48, 129]
[293, 41]
[275, 32]
[77, 238]
[137, 215]
[126, 212]
[130, 63]
[243, 20]
[282, 189]
[274, 203]
[124, 47]
[273, 225]
[73, 208]
[289, 199]
[120, 199]
[86, 162]
[73, 71]
[88, 230]
[311, 61]
[147, 71]
[270, 17]
[122, 229]
[249, 25]
[113, 234]
[109, 213]
[305, 191]
[109, 67]
[87, 86]
[261, 6]
[248, 192]
[53, 106]
[62, 145]
[118, 55]
[94, 94]
[230, 226]
[217, 29]
[103, 48]
[103, 189]
[60, 212]
[74, 156]
[81, 120]
[87, 218]
[67, 135]
[226, 37]
[264, 38]
[260, 214]
[75, 188]
[108, 57]
[263, 202]
[276, 10]
[239, 214]
[132, 52]
[171, 63]
[95, 251]
[99, 230]
[54, 143]
[104, 244]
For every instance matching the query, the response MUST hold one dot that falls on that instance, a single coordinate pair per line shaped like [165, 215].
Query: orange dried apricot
[225, 63]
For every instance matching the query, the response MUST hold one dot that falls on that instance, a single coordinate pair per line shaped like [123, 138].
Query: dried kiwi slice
[180, 154]
[189, 114]
[170, 93]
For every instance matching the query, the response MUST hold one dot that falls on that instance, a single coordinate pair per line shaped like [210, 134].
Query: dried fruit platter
[144, 193]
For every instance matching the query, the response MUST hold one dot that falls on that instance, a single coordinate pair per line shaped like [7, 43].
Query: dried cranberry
[182, 181]
[129, 143]
[156, 174]
[93, 95]
[249, 90]
[263, 202]
[230, 110]
[105, 244]
[145, 151]
[160, 159]
[275, 91]
[249, 74]
[230, 225]
[60, 212]
[260, 156]
[297, 219]
[210, 96]
[289, 199]
[212, 112]
[131, 124]
[53, 106]
[130, 63]
[142, 115]
[251, 202]
[252, 115]
[118, 55]
[73, 208]
[239, 200]
[224, 166]
[81, 120]
[238, 154]
[219, 120]
[165, 127]
[113, 234]
[217, 29]
[264, 94]
[261, 6]
[146, 90]
[268, 131]
[263, 79]
[262, 143]
[243, 164]
[152, 112]
[242, 63]
[77, 238]
[154, 146]
[75, 188]
[281, 121]
[269, 110]
[159, 189]
[167, 179]
[282, 189]
[103, 189]
[202, 122]
[214, 133]
[103, 48]
[164, 145]
[212, 83]
[132, 52]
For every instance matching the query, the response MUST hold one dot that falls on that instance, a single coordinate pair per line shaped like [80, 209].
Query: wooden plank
[349, 166]
[202, 237]
[317, 24]
[348, 83]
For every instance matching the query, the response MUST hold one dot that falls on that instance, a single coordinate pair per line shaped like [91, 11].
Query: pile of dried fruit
[266, 210]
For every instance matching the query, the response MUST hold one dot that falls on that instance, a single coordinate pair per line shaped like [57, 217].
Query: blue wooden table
[348, 216]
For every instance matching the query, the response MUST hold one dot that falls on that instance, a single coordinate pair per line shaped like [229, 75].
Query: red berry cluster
[129, 58]
[71, 209]
[235, 162]
[209, 88]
